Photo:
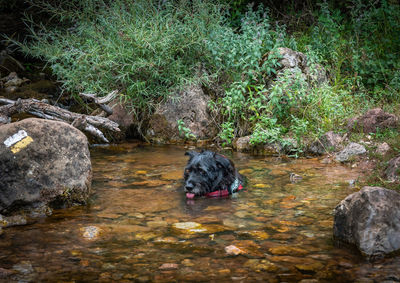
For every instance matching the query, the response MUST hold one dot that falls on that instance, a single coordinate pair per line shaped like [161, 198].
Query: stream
[138, 226]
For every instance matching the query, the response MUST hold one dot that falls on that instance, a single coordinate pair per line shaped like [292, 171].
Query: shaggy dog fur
[207, 172]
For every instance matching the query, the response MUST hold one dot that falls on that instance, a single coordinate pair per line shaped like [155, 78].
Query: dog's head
[207, 172]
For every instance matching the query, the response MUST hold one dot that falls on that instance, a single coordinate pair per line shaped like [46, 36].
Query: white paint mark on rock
[15, 138]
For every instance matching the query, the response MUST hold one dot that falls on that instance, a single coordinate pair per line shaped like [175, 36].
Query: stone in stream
[370, 220]
[353, 149]
[42, 163]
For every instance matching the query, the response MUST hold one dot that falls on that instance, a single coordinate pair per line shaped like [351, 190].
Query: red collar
[223, 193]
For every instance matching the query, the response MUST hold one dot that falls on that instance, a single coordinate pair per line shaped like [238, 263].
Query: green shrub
[146, 49]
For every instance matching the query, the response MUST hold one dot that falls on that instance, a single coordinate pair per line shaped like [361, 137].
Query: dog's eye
[202, 172]
[187, 171]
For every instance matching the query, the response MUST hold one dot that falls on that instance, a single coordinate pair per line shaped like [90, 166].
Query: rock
[91, 232]
[4, 273]
[188, 227]
[262, 186]
[372, 120]
[124, 118]
[295, 178]
[260, 235]
[14, 220]
[11, 89]
[287, 250]
[392, 170]
[233, 250]
[370, 220]
[23, 267]
[12, 80]
[293, 61]
[309, 268]
[382, 148]
[242, 144]
[42, 163]
[260, 265]
[169, 266]
[191, 107]
[328, 142]
[350, 151]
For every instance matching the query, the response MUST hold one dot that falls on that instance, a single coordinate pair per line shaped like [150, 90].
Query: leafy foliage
[148, 49]
[144, 48]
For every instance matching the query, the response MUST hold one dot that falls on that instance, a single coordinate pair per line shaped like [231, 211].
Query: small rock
[5, 273]
[262, 186]
[382, 148]
[351, 150]
[287, 250]
[91, 232]
[260, 265]
[11, 89]
[243, 144]
[187, 262]
[393, 169]
[24, 267]
[157, 224]
[14, 220]
[169, 266]
[188, 227]
[224, 272]
[294, 178]
[255, 234]
[309, 268]
[233, 250]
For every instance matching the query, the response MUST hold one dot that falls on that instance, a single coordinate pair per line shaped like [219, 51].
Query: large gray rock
[370, 220]
[353, 149]
[372, 120]
[42, 163]
[189, 106]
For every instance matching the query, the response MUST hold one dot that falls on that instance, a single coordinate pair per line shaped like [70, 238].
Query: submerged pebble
[91, 232]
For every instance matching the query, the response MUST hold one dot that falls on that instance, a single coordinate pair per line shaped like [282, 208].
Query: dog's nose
[189, 187]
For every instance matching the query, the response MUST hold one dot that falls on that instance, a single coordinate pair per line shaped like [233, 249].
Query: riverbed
[139, 226]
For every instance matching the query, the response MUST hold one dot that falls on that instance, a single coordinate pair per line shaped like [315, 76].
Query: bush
[146, 49]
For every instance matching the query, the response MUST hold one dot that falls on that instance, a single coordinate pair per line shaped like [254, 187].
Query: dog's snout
[189, 187]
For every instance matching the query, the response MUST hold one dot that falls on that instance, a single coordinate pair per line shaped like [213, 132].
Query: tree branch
[85, 123]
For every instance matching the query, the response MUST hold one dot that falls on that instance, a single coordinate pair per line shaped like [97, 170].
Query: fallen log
[86, 123]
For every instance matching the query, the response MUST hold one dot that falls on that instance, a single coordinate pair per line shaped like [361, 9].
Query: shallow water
[139, 226]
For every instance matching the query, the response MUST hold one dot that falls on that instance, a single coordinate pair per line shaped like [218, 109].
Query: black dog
[210, 174]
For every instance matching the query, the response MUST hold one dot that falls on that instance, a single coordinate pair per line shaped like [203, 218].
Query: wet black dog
[210, 174]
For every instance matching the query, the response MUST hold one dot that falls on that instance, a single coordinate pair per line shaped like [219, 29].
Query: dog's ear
[191, 154]
[223, 162]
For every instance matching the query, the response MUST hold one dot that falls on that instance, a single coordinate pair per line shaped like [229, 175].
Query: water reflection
[140, 227]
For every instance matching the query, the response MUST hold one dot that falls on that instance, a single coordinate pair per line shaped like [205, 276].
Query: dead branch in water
[86, 123]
